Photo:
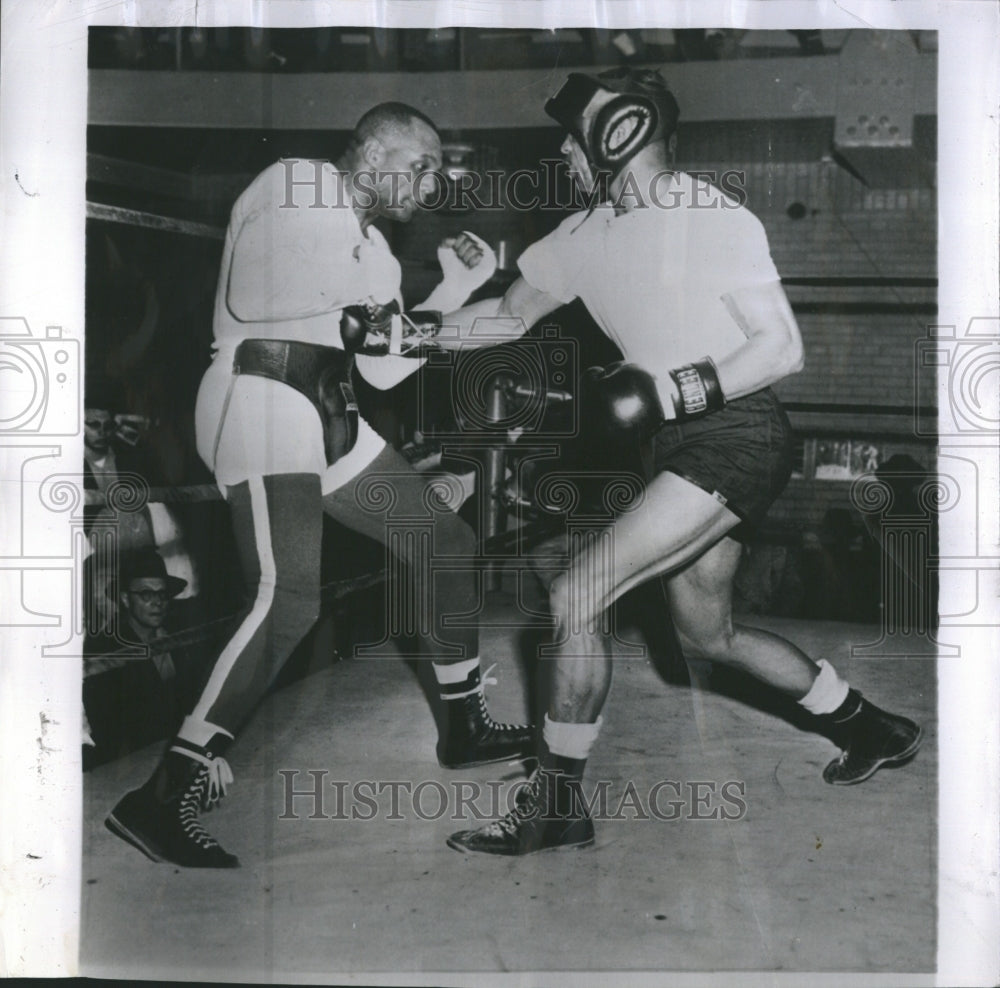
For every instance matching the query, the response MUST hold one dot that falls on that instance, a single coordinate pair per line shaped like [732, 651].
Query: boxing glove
[358, 321]
[622, 399]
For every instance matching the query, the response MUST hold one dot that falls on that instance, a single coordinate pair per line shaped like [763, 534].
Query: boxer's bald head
[392, 122]
[393, 144]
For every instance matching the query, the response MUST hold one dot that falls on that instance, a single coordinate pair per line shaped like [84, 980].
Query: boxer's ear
[373, 151]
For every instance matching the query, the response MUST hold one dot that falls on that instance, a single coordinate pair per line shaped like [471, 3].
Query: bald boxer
[307, 289]
[680, 277]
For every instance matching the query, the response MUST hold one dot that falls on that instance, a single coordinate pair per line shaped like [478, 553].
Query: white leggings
[254, 427]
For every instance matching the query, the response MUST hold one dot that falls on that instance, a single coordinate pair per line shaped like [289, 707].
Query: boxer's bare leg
[700, 597]
[679, 529]
[676, 522]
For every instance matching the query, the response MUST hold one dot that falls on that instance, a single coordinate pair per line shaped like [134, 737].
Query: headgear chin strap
[614, 115]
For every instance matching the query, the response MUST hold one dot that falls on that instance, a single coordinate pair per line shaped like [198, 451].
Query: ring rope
[191, 494]
[331, 591]
[152, 221]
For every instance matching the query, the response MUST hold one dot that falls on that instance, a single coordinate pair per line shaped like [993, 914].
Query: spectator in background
[132, 699]
[111, 452]
[110, 534]
[105, 457]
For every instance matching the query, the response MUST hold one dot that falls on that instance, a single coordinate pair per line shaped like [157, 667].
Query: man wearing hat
[679, 275]
[136, 695]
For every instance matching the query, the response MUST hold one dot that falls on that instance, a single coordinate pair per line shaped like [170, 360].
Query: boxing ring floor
[809, 878]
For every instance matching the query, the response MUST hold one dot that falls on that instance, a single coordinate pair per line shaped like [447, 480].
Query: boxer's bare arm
[773, 349]
[495, 320]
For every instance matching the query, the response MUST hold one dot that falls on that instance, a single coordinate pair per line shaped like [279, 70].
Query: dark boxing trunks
[321, 373]
[741, 455]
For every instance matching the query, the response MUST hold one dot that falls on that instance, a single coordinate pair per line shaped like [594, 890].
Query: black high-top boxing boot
[161, 817]
[470, 736]
[870, 739]
[549, 814]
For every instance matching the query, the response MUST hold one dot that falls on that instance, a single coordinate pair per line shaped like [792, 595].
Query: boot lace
[187, 813]
[525, 810]
[219, 775]
[204, 792]
[491, 724]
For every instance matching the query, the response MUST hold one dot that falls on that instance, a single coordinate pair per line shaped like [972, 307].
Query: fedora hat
[145, 564]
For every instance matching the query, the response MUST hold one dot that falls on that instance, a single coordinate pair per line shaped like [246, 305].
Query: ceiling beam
[742, 89]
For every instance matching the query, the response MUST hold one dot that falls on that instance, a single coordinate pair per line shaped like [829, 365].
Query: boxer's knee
[714, 644]
[576, 602]
[560, 600]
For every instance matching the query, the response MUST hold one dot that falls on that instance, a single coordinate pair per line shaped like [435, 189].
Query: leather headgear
[614, 115]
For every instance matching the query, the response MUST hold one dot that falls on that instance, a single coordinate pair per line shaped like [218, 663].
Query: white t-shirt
[294, 257]
[653, 278]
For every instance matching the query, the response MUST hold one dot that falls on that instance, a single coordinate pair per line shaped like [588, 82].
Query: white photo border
[42, 150]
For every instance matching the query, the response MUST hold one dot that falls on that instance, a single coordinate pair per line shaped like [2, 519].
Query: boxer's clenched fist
[467, 260]
[467, 248]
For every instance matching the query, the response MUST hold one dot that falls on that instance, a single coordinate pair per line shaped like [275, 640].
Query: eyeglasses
[104, 425]
[148, 596]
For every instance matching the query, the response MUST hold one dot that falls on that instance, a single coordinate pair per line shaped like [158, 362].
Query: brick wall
[863, 359]
[853, 356]
[857, 360]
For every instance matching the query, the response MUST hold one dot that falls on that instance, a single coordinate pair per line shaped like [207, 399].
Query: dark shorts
[741, 455]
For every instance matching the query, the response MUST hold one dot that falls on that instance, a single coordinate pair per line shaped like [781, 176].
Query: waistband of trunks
[299, 365]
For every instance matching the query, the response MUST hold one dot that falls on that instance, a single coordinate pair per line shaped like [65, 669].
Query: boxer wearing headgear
[615, 114]
[692, 298]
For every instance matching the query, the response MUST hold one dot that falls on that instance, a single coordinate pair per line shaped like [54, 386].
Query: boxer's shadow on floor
[741, 686]
[645, 608]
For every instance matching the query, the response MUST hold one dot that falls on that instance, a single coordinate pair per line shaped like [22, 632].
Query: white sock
[828, 691]
[199, 732]
[454, 672]
[570, 740]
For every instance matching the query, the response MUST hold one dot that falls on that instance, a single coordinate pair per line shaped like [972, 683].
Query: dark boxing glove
[358, 321]
[367, 329]
[698, 390]
[622, 398]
